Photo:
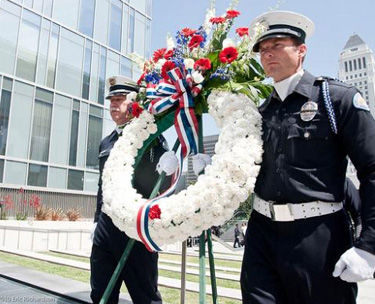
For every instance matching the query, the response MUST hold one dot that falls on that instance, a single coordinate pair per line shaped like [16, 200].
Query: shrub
[56, 214]
[73, 214]
[42, 214]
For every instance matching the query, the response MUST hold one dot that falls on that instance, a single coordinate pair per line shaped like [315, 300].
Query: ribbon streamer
[181, 92]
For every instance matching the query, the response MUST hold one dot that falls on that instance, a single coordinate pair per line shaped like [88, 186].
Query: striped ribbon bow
[180, 91]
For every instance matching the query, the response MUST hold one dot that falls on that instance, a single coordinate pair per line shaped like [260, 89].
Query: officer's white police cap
[120, 85]
[281, 24]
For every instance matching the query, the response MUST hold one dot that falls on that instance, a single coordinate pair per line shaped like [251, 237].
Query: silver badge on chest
[308, 110]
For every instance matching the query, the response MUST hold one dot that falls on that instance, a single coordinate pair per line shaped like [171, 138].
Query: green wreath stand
[163, 125]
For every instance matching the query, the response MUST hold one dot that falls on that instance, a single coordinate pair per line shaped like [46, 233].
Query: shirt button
[306, 135]
[279, 150]
[278, 170]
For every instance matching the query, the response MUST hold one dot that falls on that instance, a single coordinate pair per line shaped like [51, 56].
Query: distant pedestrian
[236, 237]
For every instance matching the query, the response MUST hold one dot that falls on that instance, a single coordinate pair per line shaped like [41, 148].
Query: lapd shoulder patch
[360, 103]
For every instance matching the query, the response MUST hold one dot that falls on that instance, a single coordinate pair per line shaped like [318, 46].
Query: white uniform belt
[290, 212]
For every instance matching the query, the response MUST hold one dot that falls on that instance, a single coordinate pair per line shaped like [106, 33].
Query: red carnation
[167, 66]
[232, 14]
[188, 32]
[136, 109]
[217, 20]
[228, 55]
[195, 41]
[159, 54]
[168, 54]
[202, 64]
[242, 31]
[155, 212]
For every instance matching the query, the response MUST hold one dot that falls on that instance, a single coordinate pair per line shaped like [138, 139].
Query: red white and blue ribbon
[181, 92]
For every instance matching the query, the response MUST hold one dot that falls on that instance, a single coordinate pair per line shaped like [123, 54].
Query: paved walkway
[76, 292]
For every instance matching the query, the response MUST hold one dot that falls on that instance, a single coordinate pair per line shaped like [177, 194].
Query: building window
[350, 66]
[75, 180]
[41, 130]
[9, 25]
[43, 52]
[86, 22]
[1, 170]
[20, 120]
[28, 45]
[6, 95]
[359, 63]
[60, 133]
[87, 70]
[355, 64]
[140, 33]
[95, 72]
[74, 134]
[102, 71]
[15, 173]
[70, 70]
[140, 5]
[364, 62]
[101, 21]
[47, 8]
[37, 175]
[125, 27]
[52, 55]
[91, 181]
[346, 66]
[57, 178]
[148, 39]
[113, 64]
[94, 137]
[66, 12]
[131, 31]
[126, 67]
[115, 25]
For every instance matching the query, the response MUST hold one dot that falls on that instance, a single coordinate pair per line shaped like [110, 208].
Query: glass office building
[55, 56]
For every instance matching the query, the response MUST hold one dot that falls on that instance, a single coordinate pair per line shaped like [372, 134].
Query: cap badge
[112, 81]
[308, 110]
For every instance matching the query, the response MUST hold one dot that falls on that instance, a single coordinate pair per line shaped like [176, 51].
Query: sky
[335, 21]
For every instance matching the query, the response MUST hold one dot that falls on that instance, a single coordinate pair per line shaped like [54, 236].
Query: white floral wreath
[213, 198]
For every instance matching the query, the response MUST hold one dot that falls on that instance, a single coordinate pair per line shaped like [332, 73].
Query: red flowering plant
[213, 60]
[23, 205]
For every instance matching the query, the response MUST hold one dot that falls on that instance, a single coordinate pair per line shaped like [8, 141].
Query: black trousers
[140, 272]
[292, 262]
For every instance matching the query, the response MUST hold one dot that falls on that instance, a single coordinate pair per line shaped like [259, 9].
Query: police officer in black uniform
[299, 247]
[140, 272]
[352, 204]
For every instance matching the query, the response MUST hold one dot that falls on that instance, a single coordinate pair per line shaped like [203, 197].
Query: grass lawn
[170, 296]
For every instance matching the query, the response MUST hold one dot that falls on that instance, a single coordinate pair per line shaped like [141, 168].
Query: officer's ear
[302, 50]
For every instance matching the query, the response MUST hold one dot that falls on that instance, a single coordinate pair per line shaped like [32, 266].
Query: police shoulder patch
[359, 102]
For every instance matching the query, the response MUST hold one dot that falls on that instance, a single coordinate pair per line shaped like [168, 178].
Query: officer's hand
[355, 265]
[92, 234]
[200, 161]
[168, 163]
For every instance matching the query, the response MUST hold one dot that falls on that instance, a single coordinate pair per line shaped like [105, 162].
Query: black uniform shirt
[145, 175]
[305, 161]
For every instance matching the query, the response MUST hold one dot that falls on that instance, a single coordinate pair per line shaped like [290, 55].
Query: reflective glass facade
[55, 56]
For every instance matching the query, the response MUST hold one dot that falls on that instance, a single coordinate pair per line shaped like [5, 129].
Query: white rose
[228, 42]
[197, 77]
[189, 63]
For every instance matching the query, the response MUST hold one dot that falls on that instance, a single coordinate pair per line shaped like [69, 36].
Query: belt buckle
[281, 212]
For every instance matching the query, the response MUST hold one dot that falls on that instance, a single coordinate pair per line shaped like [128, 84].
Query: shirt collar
[120, 128]
[287, 86]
